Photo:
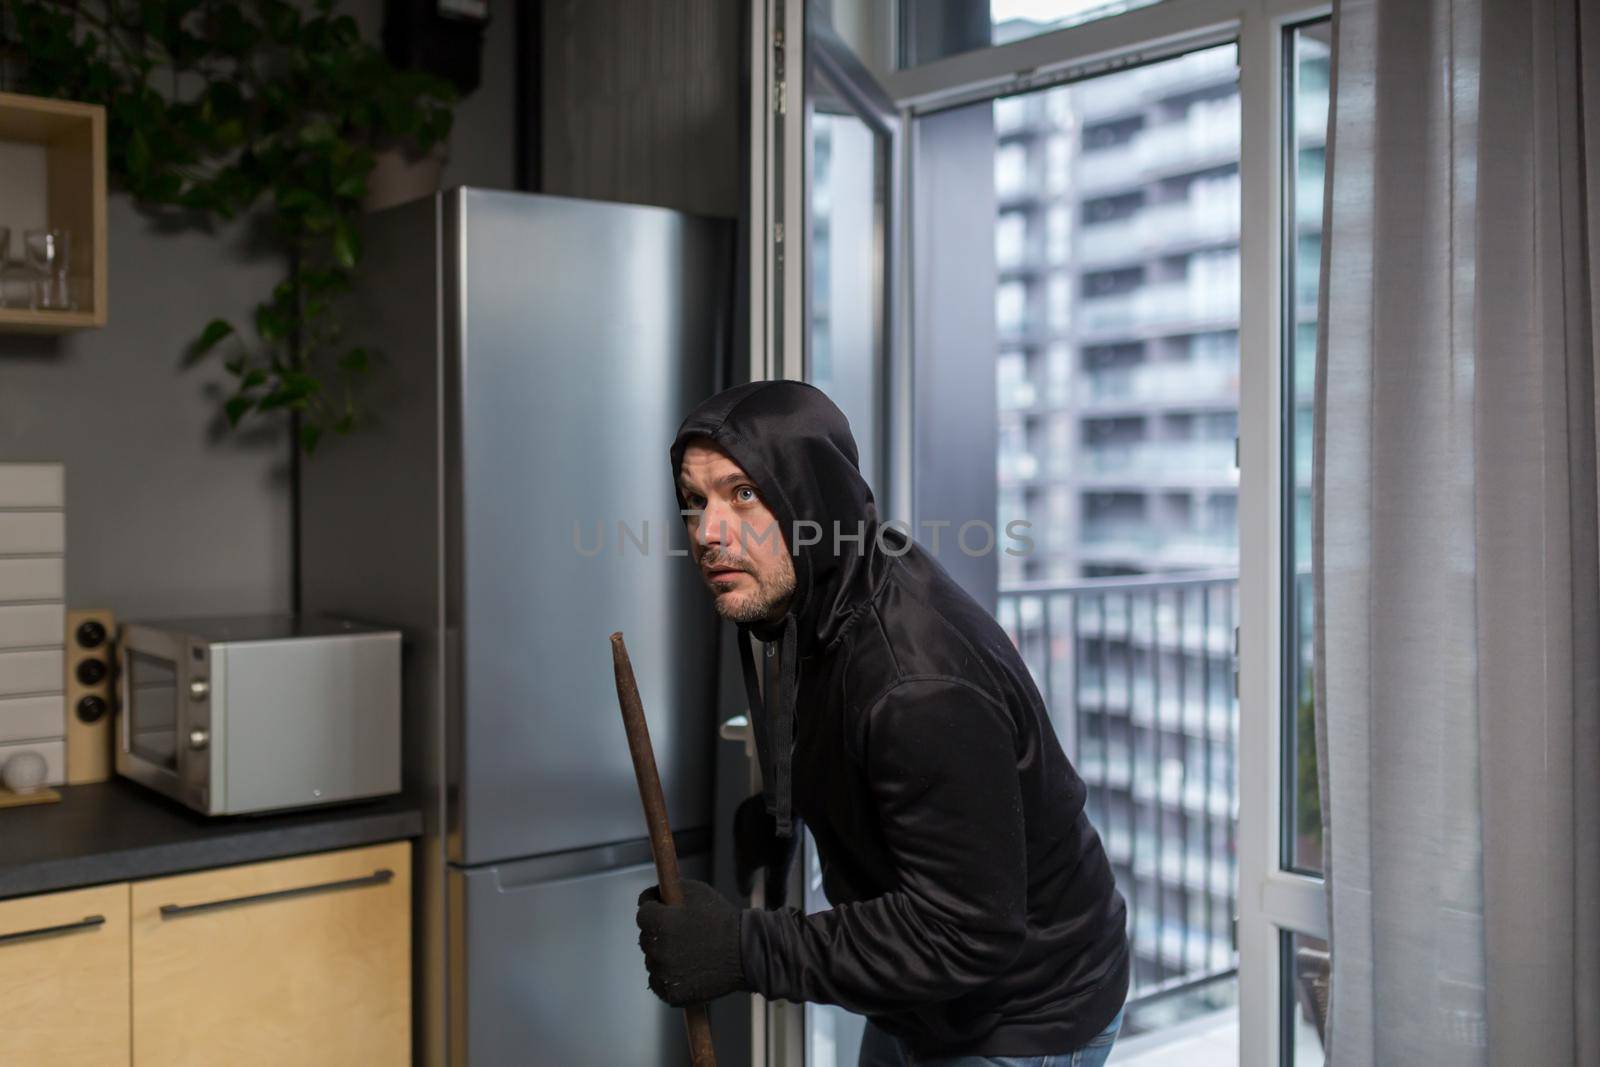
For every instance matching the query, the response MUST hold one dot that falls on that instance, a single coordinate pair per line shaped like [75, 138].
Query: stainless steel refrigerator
[537, 356]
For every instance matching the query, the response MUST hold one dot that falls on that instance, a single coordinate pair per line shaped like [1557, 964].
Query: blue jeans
[878, 1049]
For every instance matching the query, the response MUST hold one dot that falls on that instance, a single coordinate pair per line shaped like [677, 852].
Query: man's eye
[740, 492]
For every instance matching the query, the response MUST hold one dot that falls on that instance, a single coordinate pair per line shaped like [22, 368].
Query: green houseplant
[218, 107]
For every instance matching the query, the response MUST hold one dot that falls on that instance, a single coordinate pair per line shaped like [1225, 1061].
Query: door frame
[777, 103]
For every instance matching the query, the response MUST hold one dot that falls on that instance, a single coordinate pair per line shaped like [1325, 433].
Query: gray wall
[167, 514]
[641, 102]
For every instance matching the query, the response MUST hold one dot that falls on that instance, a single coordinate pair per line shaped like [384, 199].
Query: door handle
[382, 876]
[51, 931]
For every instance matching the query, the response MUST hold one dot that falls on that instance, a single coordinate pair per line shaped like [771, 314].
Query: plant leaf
[215, 331]
[299, 384]
[346, 244]
[138, 154]
[318, 132]
[271, 324]
[298, 198]
[274, 400]
[354, 361]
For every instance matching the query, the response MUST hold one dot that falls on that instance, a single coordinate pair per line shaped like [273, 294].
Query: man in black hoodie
[974, 911]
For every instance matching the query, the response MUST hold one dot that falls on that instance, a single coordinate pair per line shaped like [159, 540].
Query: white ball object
[24, 772]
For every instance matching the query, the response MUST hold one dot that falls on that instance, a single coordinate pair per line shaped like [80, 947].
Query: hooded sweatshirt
[973, 907]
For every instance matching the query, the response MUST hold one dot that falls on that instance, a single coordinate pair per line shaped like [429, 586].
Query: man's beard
[770, 591]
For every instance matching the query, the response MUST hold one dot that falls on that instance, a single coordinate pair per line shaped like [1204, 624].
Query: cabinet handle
[51, 931]
[382, 876]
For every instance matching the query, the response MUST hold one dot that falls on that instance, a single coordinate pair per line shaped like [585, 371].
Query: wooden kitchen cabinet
[69, 193]
[64, 979]
[304, 961]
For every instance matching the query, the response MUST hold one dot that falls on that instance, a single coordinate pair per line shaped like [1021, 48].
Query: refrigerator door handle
[737, 728]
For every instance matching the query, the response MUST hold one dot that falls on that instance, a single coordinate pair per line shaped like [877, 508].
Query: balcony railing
[1137, 674]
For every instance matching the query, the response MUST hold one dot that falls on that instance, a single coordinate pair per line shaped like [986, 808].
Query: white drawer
[32, 485]
[32, 718]
[29, 578]
[32, 625]
[40, 671]
[33, 533]
[55, 758]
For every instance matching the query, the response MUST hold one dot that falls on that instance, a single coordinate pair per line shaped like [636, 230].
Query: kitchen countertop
[118, 831]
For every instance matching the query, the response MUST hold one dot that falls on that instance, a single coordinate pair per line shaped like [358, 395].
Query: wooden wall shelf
[73, 136]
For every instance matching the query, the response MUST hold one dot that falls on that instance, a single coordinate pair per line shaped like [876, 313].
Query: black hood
[796, 446]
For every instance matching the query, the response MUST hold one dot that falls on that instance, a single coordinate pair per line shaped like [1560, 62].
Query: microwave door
[156, 716]
[152, 715]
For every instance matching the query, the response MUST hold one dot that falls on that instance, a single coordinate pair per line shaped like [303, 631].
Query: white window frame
[1272, 900]
[776, 336]
[777, 183]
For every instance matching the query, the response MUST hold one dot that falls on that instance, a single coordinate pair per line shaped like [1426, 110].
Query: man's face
[736, 540]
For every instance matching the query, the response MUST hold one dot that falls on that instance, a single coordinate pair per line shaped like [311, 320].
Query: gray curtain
[1458, 632]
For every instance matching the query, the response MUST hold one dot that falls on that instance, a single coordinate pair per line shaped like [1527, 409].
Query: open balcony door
[825, 223]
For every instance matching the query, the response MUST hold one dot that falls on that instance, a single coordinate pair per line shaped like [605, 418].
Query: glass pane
[845, 359]
[1117, 309]
[846, 277]
[934, 29]
[833, 1035]
[153, 694]
[1199, 1028]
[1304, 971]
[1307, 54]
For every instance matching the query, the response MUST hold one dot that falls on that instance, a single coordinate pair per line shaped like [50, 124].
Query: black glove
[756, 844]
[692, 949]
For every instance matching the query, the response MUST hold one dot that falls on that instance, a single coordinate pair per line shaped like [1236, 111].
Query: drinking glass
[49, 256]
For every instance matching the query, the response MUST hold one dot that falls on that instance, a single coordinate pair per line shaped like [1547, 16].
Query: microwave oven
[238, 715]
